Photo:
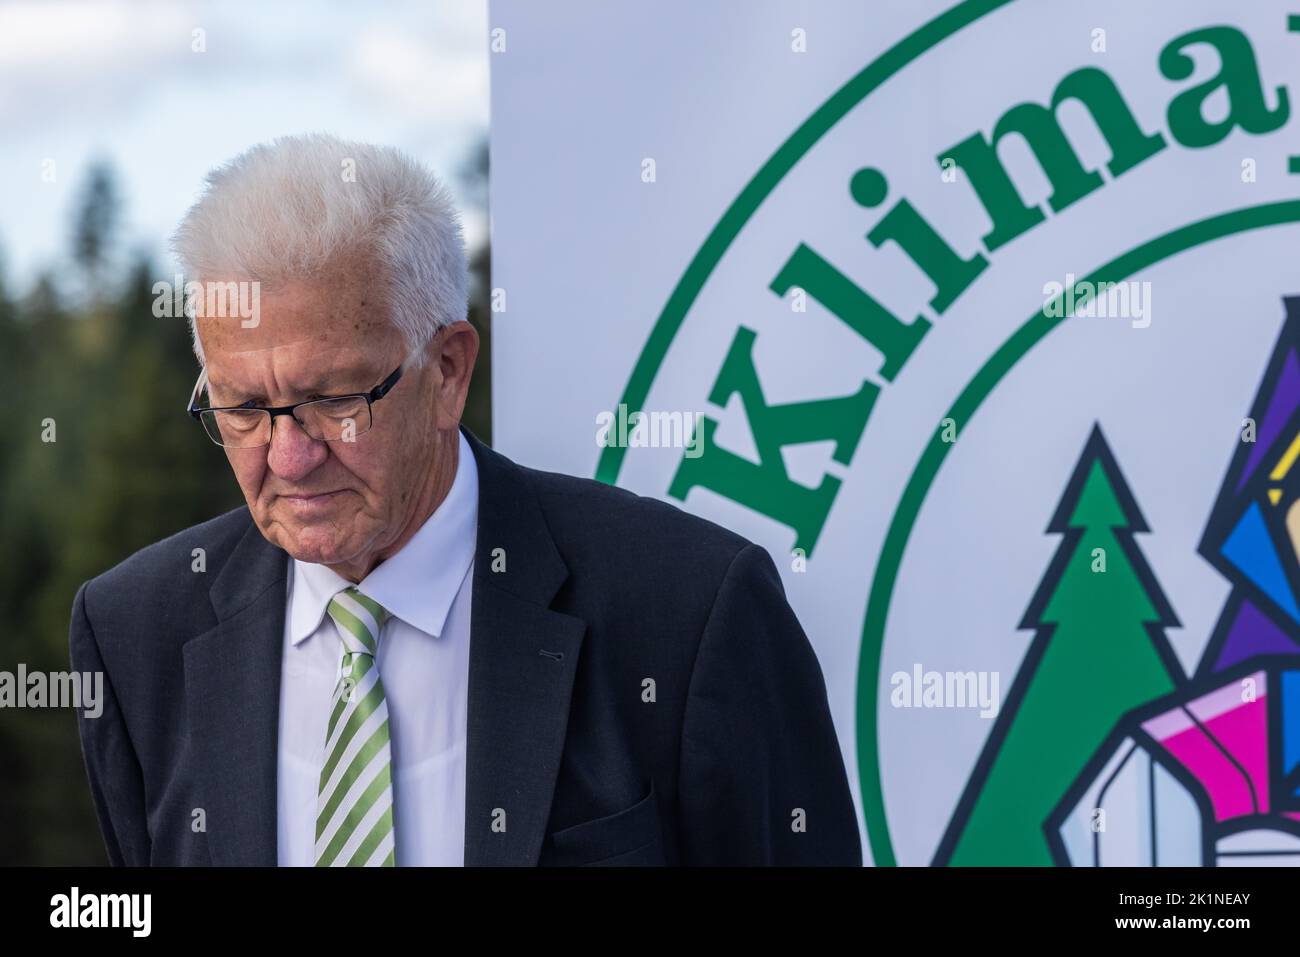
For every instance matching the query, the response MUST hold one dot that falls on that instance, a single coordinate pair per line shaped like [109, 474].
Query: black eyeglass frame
[371, 397]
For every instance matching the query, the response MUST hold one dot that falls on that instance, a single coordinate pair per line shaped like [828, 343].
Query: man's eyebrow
[327, 383]
[318, 385]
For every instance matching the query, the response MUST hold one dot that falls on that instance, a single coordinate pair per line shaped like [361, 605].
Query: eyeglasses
[330, 418]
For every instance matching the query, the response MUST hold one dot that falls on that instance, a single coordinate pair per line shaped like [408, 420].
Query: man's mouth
[307, 503]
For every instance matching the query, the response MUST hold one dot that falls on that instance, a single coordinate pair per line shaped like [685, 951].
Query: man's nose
[293, 454]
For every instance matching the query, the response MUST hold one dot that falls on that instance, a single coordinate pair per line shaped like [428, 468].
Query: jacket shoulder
[170, 560]
[588, 515]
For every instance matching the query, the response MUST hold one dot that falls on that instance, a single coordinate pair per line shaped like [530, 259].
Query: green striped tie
[354, 817]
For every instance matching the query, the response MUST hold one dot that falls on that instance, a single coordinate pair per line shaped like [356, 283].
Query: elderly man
[408, 649]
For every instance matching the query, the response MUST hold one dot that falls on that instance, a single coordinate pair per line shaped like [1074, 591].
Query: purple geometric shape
[1253, 633]
[1285, 399]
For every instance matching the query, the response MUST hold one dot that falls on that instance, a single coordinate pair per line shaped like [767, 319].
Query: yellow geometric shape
[1288, 460]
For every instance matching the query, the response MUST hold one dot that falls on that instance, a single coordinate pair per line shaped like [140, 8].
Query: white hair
[288, 209]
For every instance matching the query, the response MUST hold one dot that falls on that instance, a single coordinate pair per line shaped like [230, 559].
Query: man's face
[338, 502]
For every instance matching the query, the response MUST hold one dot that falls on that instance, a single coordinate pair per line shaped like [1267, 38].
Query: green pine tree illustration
[1099, 650]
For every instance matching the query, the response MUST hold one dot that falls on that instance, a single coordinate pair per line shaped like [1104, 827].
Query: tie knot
[359, 618]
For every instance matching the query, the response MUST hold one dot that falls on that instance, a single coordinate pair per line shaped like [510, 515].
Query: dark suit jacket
[602, 591]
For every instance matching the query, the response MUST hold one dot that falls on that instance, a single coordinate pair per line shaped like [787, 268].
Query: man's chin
[319, 556]
[316, 543]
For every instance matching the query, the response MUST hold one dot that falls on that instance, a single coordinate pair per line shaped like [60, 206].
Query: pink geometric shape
[1243, 732]
[1225, 747]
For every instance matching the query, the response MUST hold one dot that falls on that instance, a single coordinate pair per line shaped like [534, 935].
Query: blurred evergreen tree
[478, 404]
[95, 225]
[126, 466]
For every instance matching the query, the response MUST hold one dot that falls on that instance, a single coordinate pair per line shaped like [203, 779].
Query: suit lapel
[232, 686]
[522, 661]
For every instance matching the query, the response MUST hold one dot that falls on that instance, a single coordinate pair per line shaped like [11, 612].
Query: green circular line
[918, 486]
[760, 187]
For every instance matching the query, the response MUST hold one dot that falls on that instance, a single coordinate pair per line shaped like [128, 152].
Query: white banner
[974, 316]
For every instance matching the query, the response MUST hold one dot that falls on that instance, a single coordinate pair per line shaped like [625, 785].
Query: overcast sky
[119, 80]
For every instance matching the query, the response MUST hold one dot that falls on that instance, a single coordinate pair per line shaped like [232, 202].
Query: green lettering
[767, 487]
[1238, 75]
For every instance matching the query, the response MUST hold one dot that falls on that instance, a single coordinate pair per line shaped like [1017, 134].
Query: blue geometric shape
[1251, 550]
[1290, 691]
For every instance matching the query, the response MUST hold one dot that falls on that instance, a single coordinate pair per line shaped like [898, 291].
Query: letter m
[1040, 128]
[767, 487]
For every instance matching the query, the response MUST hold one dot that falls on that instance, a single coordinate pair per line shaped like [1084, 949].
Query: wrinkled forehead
[242, 316]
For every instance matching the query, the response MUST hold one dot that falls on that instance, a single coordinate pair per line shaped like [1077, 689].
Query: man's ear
[454, 351]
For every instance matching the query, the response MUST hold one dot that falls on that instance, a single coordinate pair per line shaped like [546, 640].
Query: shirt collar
[420, 582]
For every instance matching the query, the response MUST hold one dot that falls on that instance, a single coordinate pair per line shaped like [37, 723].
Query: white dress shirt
[423, 661]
